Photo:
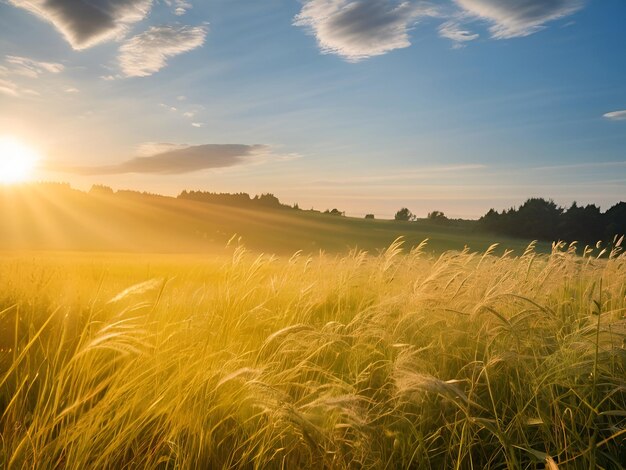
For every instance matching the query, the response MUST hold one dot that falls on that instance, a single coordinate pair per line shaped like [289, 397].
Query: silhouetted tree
[404, 215]
[268, 200]
[101, 189]
[543, 220]
[335, 211]
[538, 218]
[615, 221]
[583, 224]
[237, 199]
[492, 221]
[438, 217]
[369, 216]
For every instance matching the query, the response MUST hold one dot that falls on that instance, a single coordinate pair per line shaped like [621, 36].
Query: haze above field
[456, 106]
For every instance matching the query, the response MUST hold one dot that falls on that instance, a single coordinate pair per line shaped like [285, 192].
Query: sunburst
[17, 161]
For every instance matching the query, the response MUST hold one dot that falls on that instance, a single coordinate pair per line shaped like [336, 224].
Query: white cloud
[188, 111]
[23, 68]
[180, 7]
[7, 87]
[616, 116]
[72, 90]
[84, 23]
[29, 68]
[517, 18]
[10, 88]
[173, 109]
[454, 31]
[359, 29]
[148, 52]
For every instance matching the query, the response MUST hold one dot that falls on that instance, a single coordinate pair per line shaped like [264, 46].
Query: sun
[17, 161]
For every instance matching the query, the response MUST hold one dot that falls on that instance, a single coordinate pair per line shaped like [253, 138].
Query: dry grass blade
[315, 362]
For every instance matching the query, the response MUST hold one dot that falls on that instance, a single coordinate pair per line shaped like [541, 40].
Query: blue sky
[367, 106]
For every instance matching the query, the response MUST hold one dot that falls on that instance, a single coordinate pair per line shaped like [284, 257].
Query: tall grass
[397, 360]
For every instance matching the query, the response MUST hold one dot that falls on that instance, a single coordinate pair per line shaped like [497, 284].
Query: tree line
[235, 199]
[405, 215]
[267, 200]
[542, 219]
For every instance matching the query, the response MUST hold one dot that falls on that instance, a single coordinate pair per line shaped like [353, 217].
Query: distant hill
[57, 217]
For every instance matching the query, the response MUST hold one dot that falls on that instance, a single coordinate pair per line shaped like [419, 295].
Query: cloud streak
[31, 68]
[18, 69]
[455, 32]
[148, 52]
[84, 23]
[578, 166]
[179, 7]
[616, 116]
[9, 88]
[518, 18]
[173, 159]
[13, 89]
[360, 29]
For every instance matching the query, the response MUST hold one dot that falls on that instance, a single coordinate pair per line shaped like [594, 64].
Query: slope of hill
[41, 217]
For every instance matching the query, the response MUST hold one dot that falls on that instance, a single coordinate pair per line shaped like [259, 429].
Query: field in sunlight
[49, 218]
[397, 360]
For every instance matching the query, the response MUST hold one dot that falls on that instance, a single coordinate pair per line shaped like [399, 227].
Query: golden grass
[391, 361]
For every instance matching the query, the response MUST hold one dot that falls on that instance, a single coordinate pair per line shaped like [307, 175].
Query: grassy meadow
[62, 219]
[397, 359]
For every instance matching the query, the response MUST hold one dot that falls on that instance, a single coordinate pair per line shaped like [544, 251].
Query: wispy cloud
[10, 88]
[31, 68]
[148, 52]
[179, 7]
[18, 73]
[577, 166]
[359, 29]
[172, 159]
[454, 31]
[616, 116]
[186, 110]
[173, 109]
[517, 18]
[84, 23]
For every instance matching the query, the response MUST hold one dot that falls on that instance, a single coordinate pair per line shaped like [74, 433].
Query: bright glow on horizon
[17, 160]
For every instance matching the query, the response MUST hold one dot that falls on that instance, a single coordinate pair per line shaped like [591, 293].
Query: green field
[400, 360]
[46, 219]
